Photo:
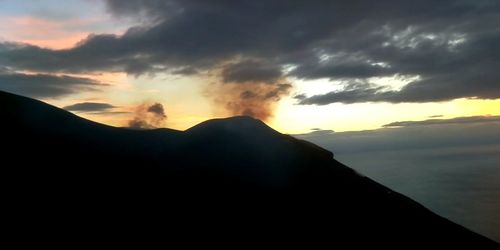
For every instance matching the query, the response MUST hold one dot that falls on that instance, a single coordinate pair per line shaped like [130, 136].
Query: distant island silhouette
[223, 179]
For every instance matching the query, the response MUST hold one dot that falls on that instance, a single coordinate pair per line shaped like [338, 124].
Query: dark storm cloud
[479, 83]
[185, 71]
[251, 71]
[346, 96]
[45, 86]
[89, 107]
[458, 120]
[451, 45]
[150, 9]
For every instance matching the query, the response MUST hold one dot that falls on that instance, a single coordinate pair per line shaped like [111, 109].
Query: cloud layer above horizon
[448, 165]
[445, 50]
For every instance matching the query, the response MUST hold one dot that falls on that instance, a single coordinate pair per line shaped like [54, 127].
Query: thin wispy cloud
[89, 107]
[47, 85]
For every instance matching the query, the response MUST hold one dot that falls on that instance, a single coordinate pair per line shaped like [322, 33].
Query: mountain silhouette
[223, 180]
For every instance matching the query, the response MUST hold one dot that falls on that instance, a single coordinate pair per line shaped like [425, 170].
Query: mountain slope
[234, 177]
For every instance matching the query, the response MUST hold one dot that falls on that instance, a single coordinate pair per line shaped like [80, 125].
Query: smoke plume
[257, 100]
[148, 116]
[249, 87]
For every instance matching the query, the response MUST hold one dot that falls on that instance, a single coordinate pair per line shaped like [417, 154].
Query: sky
[406, 92]
[298, 65]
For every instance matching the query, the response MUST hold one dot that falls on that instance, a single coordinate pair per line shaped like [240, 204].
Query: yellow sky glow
[186, 105]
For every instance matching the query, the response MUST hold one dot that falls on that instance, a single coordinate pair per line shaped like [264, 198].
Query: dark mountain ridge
[223, 179]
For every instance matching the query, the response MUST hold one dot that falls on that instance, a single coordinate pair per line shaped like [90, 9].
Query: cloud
[44, 32]
[46, 86]
[251, 71]
[151, 9]
[458, 120]
[449, 48]
[346, 96]
[89, 107]
[450, 166]
[444, 134]
[319, 132]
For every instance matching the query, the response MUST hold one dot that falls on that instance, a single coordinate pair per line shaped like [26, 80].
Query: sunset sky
[406, 92]
[298, 65]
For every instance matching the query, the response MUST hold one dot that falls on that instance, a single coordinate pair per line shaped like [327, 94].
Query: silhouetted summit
[233, 179]
[236, 123]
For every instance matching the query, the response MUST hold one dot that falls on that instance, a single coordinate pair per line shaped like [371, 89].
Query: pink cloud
[46, 33]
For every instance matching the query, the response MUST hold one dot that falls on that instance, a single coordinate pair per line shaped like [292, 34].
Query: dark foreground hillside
[223, 180]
